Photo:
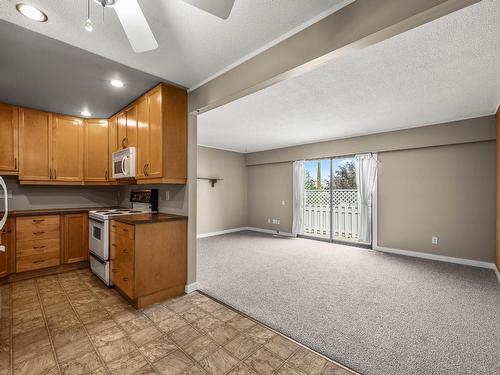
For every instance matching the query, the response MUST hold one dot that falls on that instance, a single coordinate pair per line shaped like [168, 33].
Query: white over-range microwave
[124, 163]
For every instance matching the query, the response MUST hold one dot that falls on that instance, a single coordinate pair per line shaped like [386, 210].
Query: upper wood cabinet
[142, 137]
[9, 125]
[96, 151]
[67, 156]
[58, 149]
[35, 145]
[162, 136]
[127, 127]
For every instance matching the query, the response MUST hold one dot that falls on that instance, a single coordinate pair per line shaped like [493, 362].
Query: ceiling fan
[136, 26]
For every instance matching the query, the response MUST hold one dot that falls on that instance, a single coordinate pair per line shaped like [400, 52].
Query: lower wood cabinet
[148, 261]
[37, 242]
[49, 240]
[5, 256]
[75, 240]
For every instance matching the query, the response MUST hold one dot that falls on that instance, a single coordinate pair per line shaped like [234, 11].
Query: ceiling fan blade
[219, 8]
[136, 27]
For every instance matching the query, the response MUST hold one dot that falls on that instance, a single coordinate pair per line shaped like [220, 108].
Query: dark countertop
[148, 218]
[54, 211]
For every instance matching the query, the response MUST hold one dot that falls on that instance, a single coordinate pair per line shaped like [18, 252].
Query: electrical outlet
[278, 221]
[269, 220]
[282, 202]
[434, 240]
[167, 195]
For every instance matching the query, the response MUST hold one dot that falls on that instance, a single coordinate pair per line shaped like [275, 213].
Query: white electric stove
[143, 201]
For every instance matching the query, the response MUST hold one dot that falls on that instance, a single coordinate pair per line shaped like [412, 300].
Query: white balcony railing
[344, 213]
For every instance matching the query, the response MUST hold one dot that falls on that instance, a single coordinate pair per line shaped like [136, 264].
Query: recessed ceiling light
[86, 113]
[116, 83]
[31, 12]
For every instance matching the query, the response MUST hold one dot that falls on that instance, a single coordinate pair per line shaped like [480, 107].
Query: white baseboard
[218, 233]
[253, 229]
[270, 231]
[190, 288]
[498, 273]
[441, 258]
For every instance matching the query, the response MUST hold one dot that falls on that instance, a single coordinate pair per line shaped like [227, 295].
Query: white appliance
[124, 163]
[6, 210]
[143, 201]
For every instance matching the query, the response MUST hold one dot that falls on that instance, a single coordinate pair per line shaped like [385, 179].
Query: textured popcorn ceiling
[193, 45]
[446, 70]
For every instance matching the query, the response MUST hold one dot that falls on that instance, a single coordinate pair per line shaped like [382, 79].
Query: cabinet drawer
[122, 276]
[121, 246]
[36, 247]
[123, 229]
[46, 259]
[37, 227]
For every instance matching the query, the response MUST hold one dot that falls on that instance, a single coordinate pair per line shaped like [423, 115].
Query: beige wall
[177, 194]
[445, 191]
[268, 186]
[223, 206]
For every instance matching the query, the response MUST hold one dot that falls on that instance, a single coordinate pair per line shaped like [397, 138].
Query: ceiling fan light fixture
[116, 83]
[89, 26]
[31, 12]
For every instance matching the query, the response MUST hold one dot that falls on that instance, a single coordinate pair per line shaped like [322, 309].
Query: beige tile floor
[72, 324]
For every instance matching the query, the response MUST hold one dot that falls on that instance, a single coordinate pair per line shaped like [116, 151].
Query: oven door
[99, 238]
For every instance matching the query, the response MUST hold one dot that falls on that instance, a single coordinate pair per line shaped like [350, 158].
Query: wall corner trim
[440, 258]
[190, 288]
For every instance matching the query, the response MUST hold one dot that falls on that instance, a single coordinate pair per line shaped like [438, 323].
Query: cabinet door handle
[38, 247]
[55, 174]
[125, 279]
[39, 261]
[125, 251]
[113, 244]
[125, 142]
[114, 270]
[37, 233]
[15, 163]
[38, 220]
[113, 226]
[125, 230]
[50, 174]
[106, 175]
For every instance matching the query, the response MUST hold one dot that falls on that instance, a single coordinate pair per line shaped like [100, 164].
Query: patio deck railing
[344, 213]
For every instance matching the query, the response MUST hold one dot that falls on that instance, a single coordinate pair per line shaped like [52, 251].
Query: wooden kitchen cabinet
[50, 148]
[142, 137]
[148, 261]
[7, 241]
[75, 238]
[67, 156]
[38, 242]
[9, 127]
[96, 151]
[127, 127]
[112, 144]
[35, 145]
[162, 136]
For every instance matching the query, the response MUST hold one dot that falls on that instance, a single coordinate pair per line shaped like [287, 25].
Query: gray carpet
[376, 313]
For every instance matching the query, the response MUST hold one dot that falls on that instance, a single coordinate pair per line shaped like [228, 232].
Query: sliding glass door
[331, 200]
